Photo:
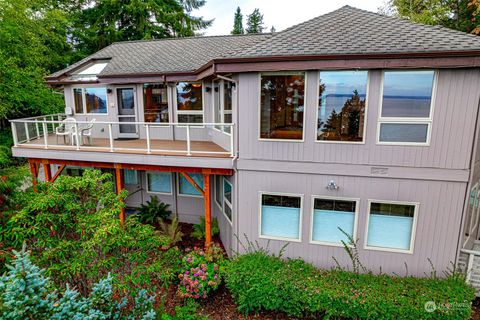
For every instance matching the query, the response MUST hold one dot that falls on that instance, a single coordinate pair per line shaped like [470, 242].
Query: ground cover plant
[261, 282]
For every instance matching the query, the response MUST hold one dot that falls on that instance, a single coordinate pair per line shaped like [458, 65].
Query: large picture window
[155, 102]
[185, 187]
[330, 216]
[90, 100]
[159, 182]
[406, 111]
[280, 216]
[189, 102]
[341, 107]
[391, 225]
[282, 106]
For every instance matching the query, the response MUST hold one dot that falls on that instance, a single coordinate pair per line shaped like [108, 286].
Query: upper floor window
[406, 111]
[282, 106]
[90, 100]
[341, 107]
[155, 102]
[190, 102]
[222, 102]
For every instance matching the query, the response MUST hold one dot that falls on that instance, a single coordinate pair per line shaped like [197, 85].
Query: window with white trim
[280, 216]
[227, 199]
[185, 188]
[90, 100]
[218, 190]
[159, 182]
[406, 108]
[391, 225]
[190, 102]
[332, 216]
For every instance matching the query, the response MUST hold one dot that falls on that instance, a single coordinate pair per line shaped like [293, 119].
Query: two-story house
[352, 121]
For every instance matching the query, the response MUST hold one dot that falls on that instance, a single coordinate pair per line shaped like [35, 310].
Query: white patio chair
[86, 132]
[67, 130]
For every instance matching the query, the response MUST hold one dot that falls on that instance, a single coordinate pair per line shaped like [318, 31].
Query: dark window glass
[282, 106]
[402, 210]
[334, 205]
[78, 100]
[189, 96]
[403, 132]
[155, 102]
[280, 201]
[341, 109]
[190, 118]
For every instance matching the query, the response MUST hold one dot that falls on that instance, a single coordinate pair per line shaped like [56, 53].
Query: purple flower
[195, 274]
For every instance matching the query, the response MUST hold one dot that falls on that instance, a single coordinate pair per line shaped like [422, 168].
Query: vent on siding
[378, 171]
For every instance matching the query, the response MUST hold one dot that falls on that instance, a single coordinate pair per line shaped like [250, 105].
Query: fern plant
[153, 211]
[199, 229]
[171, 230]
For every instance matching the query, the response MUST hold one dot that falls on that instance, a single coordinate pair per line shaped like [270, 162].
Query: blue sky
[279, 13]
[417, 83]
[344, 82]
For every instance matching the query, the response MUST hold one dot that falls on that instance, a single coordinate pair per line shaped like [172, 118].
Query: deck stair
[469, 263]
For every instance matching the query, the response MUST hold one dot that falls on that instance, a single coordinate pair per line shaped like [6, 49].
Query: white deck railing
[36, 131]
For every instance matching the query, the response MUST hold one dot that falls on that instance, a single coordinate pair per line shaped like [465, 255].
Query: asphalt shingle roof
[349, 30]
[168, 55]
[346, 31]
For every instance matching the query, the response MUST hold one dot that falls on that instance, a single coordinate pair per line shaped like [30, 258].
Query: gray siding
[437, 229]
[454, 117]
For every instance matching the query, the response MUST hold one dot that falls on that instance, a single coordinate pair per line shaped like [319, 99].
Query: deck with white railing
[170, 139]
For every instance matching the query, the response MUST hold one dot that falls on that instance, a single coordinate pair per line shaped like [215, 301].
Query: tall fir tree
[273, 30]
[255, 22]
[238, 22]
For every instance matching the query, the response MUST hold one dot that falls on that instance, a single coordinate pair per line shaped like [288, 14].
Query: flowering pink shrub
[200, 273]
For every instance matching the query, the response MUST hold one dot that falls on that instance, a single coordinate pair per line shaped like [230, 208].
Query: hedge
[259, 282]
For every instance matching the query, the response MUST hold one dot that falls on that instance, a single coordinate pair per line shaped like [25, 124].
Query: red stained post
[208, 211]
[34, 172]
[47, 171]
[59, 171]
[119, 185]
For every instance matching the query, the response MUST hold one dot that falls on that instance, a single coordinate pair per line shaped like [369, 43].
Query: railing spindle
[189, 151]
[77, 136]
[232, 151]
[147, 130]
[26, 131]
[14, 134]
[45, 134]
[37, 128]
[110, 136]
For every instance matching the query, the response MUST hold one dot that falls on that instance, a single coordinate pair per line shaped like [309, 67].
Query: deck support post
[208, 211]
[48, 172]
[119, 185]
[34, 172]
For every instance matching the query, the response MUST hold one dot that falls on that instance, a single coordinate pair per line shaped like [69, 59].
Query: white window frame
[225, 200]
[190, 112]
[84, 101]
[367, 93]
[219, 205]
[221, 107]
[157, 192]
[414, 226]
[259, 121]
[179, 176]
[300, 220]
[407, 120]
[355, 219]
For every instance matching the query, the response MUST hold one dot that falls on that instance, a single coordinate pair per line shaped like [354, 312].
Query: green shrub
[153, 211]
[73, 230]
[200, 273]
[25, 293]
[186, 312]
[261, 282]
[199, 229]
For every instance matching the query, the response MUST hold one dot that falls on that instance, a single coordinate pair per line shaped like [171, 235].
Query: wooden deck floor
[135, 146]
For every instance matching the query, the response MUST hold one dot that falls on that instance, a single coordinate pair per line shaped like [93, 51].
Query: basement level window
[280, 217]
[159, 182]
[185, 188]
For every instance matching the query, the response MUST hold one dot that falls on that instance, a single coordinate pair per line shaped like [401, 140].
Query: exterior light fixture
[196, 85]
[208, 89]
[332, 185]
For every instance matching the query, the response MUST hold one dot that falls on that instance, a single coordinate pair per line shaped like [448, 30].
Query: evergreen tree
[238, 22]
[272, 29]
[255, 22]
